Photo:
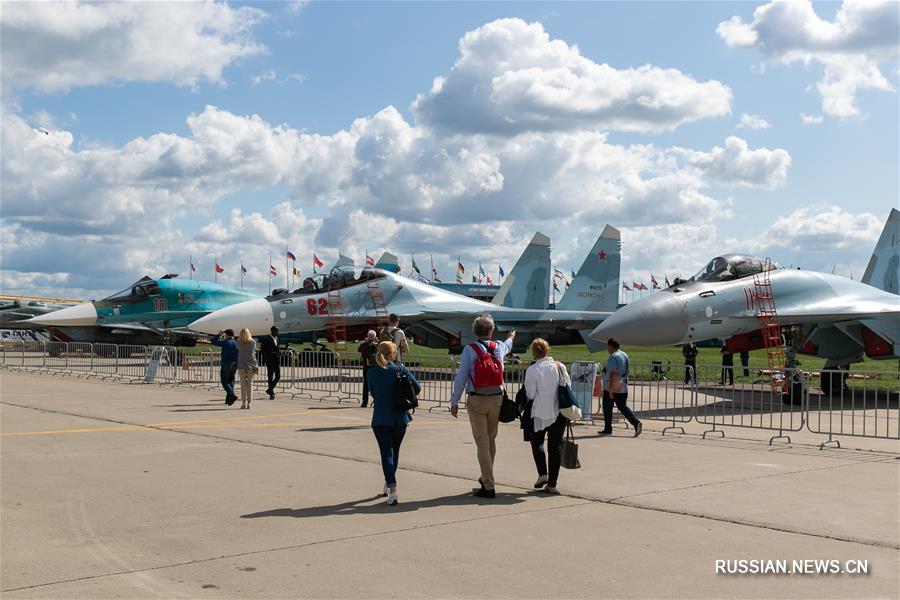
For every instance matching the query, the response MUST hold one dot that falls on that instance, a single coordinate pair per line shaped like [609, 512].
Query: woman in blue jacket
[388, 423]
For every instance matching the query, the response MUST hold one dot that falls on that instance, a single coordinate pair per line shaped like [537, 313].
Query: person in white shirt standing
[542, 418]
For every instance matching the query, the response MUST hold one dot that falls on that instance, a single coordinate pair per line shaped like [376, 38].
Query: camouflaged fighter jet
[434, 317]
[146, 312]
[821, 314]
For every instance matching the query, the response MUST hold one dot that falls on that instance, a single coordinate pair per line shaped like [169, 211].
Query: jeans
[620, 401]
[226, 375]
[365, 394]
[554, 438]
[484, 418]
[389, 438]
[273, 371]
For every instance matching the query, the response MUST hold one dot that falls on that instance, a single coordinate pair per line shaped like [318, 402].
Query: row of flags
[638, 285]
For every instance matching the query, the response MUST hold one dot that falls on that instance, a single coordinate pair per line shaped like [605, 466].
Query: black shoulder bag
[404, 392]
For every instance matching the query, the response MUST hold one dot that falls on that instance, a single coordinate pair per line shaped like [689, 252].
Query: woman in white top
[541, 380]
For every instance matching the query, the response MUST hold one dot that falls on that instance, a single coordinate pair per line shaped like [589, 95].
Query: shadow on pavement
[376, 505]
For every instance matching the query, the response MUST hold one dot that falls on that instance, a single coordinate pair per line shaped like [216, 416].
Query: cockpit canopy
[731, 266]
[138, 291]
[337, 278]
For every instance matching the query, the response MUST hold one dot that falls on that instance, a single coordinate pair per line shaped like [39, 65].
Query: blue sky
[301, 144]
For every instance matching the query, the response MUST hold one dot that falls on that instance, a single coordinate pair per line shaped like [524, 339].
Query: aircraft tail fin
[343, 261]
[388, 262]
[596, 285]
[528, 284]
[883, 270]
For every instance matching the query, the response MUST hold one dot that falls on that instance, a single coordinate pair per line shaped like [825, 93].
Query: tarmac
[140, 491]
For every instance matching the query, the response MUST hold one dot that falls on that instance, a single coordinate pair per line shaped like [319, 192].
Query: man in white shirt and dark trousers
[393, 333]
[271, 356]
[481, 375]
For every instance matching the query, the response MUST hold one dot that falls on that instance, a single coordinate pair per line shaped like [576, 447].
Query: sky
[136, 135]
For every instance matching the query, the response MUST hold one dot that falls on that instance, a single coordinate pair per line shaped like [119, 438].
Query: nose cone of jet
[255, 315]
[659, 320]
[71, 316]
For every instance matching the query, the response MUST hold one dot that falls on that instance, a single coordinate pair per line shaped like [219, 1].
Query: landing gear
[794, 386]
[833, 379]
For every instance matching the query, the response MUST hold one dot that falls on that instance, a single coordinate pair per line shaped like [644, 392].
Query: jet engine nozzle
[255, 315]
[658, 320]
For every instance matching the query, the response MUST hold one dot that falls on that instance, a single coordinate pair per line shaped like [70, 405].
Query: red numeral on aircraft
[320, 308]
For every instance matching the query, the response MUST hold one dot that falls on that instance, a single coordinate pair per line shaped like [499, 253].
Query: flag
[602, 255]
[481, 270]
[502, 274]
[474, 280]
[557, 274]
[573, 275]
[243, 269]
[459, 279]
[437, 279]
[317, 262]
[296, 272]
[460, 268]
[639, 286]
[653, 282]
[416, 267]
[666, 277]
[625, 287]
[489, 282]
[370, 262]
[193, 268]
[272, 271]
[219, 269]
[291, 256]
[555, 287]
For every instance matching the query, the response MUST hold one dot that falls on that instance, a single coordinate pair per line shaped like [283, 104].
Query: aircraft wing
[832, 311]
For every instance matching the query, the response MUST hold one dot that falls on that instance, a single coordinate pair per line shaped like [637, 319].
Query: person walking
[542, 419]
[481, 375]
[690, 352]
[367, 351]
[393, 333]
[388, 423]
[227, 362]
[745, 362]
[271, 356]
[615, 389]
[727, 366]
[247, 366]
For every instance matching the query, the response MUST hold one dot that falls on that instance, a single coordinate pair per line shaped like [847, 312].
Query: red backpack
[487, 373]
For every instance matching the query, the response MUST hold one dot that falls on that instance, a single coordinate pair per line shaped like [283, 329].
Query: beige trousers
[484, 417]
[246, 379]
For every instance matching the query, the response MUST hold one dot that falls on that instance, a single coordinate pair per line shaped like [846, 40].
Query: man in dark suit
[690, 352]
[271, 356]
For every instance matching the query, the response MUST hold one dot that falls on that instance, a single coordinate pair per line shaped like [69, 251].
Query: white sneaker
[392, 498]
[385, 491]
[541, 482]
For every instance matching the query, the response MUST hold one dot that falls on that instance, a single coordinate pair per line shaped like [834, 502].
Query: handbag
[404, 396]
[564, 396]
[568, 450]
[509, 412]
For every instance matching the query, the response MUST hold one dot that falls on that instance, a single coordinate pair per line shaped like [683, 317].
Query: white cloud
[295, 7]
[850, 48]
[512, 78]
[53, 46]
[267, 75]
[818, 237]
[811, 119]
[753, 122]
[736, 165]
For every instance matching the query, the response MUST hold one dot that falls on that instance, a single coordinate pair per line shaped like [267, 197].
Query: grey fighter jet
[820, 314]
[435, 317]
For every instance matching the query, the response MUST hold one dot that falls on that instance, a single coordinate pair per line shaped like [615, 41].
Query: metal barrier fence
[861, 403]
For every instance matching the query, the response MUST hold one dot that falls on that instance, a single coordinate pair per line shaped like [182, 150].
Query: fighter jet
[435, 317]
[528, 284]
[821, 314]
[146, 312]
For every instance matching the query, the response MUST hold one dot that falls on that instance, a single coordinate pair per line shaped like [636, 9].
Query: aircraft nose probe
[654, 321]
[255, 315]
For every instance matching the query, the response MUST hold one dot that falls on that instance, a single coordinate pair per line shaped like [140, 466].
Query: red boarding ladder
[377, 296]
[769, 327]
[337, 324]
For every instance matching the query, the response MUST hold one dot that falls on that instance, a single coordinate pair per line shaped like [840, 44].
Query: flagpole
[242, 273]
[432, 269]
[270, 273]
[215, 269]
[191, 266]
[286, 284]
